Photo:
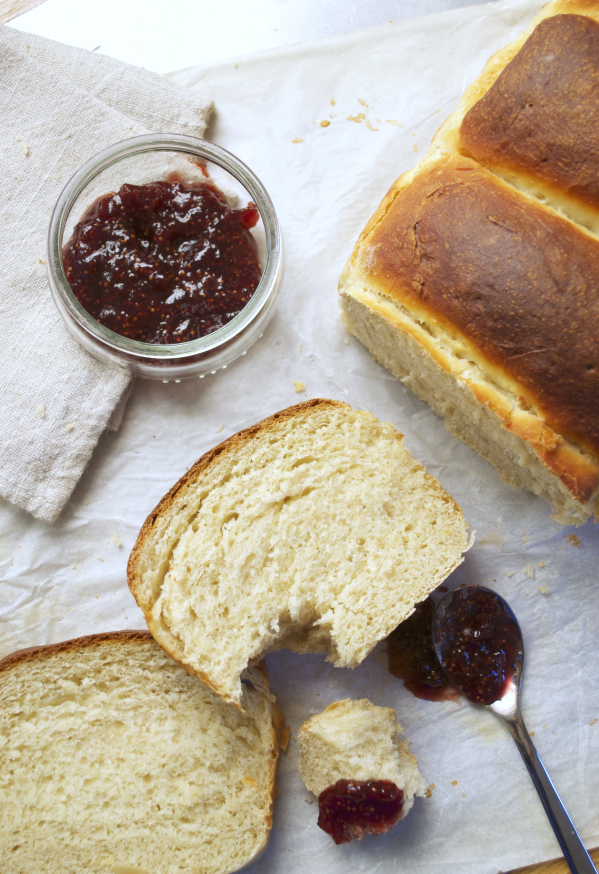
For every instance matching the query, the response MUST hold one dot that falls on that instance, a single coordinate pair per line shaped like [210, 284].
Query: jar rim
[198, 148]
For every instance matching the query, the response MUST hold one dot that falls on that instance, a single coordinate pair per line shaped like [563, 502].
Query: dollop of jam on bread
[352, 808]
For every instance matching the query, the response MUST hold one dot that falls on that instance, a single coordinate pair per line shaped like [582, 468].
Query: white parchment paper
[391, 86]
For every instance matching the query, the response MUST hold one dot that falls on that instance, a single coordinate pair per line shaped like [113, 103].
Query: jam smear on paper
[412, 657]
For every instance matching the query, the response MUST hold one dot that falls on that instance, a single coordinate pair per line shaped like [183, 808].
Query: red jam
[478, 642]
[166, 262]
[412, 657]
[352, 808]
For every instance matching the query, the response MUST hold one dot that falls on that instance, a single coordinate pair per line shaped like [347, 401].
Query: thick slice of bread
[113, 759]
[356, 740]
[314, 530]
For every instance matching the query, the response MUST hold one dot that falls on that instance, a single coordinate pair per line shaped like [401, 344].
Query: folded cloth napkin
[59, 106]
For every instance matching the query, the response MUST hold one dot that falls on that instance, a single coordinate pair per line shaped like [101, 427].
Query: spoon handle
[573, 848]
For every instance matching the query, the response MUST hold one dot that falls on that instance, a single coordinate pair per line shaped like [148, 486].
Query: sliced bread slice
[314, 530]
[356, 740]
[113, 759]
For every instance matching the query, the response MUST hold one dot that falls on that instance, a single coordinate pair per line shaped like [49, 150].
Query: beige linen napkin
[59, 106]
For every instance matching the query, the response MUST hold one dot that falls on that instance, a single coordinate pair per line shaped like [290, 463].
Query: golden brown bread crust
[33, 653]
[540, 115]
[578, 472]
[549, 395]
[514, 278]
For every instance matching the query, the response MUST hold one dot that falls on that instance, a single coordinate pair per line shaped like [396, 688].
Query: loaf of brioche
[114, 760]
[476, 282]
[315, 530]
[356, 740]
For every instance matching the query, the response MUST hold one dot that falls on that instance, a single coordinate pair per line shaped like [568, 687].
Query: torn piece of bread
[113, 759]
[475, 282]
[356, 740]
[314, 530]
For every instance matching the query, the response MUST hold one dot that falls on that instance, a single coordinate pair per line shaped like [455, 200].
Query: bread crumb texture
[356, 740]
[112, 758]
[315, 530]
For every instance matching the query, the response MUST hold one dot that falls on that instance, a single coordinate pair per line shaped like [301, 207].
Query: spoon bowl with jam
[479, 644]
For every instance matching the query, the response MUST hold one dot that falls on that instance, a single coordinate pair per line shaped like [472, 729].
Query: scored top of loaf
[493, 268]
[314, 530]
[518, 281]
[541, 115]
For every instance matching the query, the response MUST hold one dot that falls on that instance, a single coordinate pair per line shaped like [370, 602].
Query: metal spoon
[507, 708]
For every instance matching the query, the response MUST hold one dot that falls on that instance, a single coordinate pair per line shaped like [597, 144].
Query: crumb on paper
[347, 341]
[510, 573]
[415, 147]
[531, 733]
[284, 738]
[593, 721]
[74, 565]
[41, 261]
[432, 785]
[543, 590]
[574, 540]
[299, 385]
[25, 148]
[309, 800]
[117, 540]
[325, 123]
[454, 782]
[363, 102]
[41, 411]
[491, 538]
[297, 140]
[394, 122]
[69, 426]
[219, 429]
[332, 101]
[370, 126]
[541, 564]
[357, 118]
[529, 571]
[427, 793]
[463, 794]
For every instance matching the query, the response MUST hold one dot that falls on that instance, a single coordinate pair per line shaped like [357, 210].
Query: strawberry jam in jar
[164, 262]
[154, 267]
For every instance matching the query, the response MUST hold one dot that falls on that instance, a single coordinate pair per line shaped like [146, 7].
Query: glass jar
[147, 159]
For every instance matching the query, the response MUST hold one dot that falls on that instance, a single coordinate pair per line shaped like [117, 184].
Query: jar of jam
[165, 256]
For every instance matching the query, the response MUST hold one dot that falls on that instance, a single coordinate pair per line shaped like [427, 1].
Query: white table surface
[164, 36]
